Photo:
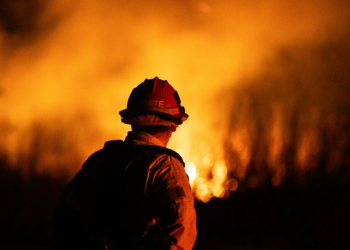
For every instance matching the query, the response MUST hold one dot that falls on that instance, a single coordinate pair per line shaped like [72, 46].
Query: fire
[205, 188]
[66, 69]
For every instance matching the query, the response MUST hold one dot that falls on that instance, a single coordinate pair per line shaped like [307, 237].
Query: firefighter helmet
[154, 102]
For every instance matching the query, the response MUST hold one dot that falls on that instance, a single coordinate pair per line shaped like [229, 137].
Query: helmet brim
[151, 117]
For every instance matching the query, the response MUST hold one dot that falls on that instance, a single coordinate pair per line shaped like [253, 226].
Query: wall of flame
[253, 76]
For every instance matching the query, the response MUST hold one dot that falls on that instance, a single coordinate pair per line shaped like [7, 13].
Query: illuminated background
[266, 85]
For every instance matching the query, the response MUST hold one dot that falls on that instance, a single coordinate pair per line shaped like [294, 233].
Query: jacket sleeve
[178, 217]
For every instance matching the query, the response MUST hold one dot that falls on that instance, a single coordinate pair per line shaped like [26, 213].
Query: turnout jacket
[129, 195]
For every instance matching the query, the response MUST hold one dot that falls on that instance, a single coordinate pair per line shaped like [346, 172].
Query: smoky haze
[266, 85]
[67, 69]
[293, 118]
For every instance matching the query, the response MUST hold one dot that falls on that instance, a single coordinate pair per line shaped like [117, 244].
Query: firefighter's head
[154, 103]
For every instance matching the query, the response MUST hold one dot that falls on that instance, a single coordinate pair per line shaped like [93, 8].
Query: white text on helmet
[154, 103]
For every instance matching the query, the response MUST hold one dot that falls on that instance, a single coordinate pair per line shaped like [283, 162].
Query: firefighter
[132, 194]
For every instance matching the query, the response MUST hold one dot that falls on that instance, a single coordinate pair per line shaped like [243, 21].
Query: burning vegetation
[289, 122]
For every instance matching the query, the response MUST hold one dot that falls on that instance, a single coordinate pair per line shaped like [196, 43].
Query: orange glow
[63, 83]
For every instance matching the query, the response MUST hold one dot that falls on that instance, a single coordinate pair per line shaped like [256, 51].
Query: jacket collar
[141, 138]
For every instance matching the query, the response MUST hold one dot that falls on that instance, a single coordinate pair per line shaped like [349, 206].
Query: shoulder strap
[154, 149]
[117, 145]
[113, 145]
[115, 154]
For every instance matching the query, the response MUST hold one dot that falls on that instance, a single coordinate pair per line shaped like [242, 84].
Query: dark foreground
[315, 215]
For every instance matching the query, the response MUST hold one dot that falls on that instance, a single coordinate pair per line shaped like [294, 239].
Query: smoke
[63, 60]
